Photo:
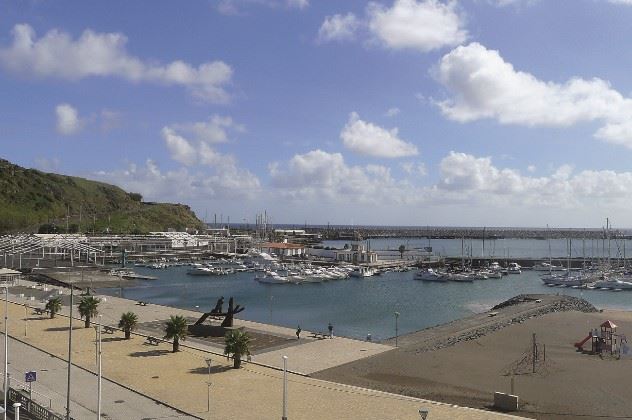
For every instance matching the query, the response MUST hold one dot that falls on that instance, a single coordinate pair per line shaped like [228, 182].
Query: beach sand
[252, 392]
[569, 384]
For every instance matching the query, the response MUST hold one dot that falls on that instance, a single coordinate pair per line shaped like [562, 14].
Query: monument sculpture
[200, 329]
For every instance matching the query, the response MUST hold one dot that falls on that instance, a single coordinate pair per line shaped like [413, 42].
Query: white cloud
[299, 4]
[180, 149]
[182, 184]
[392, 112]
[338, 28]
[319, 175]
[215, 130]
[414, 169]
[424, 25]
[624, 2]
[95, 54]
[68, 121]
[484, 85]
[531, 168]
[235, 7]
[369, 139]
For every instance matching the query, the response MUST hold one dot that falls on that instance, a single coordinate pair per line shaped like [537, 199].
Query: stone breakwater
[515, 310]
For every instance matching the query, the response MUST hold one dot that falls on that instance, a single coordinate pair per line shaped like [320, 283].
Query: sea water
[355, 307]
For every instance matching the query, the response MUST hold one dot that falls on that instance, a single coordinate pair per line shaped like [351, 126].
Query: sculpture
[216, 331]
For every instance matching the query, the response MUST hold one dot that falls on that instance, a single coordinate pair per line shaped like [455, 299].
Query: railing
[34, 409]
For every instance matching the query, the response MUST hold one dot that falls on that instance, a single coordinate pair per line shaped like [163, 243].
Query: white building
[357, 254]
[283, 249]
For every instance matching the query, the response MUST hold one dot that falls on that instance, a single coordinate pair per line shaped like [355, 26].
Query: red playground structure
[606, 340]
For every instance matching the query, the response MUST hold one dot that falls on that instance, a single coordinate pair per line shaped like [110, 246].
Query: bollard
[16, 408]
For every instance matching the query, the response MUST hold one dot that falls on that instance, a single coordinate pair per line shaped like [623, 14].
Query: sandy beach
[253, 392]
[569, 384]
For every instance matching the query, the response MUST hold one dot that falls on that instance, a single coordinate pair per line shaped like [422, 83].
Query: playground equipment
[604, 340]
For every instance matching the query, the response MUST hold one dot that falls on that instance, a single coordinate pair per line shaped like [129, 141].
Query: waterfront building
[283, 249]
[357, 254]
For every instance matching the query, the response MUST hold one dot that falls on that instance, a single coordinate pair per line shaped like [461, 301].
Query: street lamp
[6, 349]
[208, 400]
[98, 328]
[396, 328]
[284, 388]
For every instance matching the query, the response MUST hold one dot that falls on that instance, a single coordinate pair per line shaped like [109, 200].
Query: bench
[153, 341]
[320, 335]
[108, 329]
[39, 311]
[141, 303]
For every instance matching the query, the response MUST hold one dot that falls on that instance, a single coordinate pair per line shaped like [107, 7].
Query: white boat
[459, 277]
[514, 268]
[544, 266]
[430, 275]
[362, 272]
[272, 277]
[613, 284]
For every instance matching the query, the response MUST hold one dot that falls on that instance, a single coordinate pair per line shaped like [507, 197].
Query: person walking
[298, 332]
[331, 330]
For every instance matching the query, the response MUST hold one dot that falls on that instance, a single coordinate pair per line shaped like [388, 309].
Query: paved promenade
[253, 392]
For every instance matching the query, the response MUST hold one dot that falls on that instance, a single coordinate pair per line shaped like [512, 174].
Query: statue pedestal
[205, 330]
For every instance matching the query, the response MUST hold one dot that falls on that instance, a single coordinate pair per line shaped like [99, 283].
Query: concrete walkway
[49, 390]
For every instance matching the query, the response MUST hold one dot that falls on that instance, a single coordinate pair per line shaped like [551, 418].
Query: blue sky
[426, 112]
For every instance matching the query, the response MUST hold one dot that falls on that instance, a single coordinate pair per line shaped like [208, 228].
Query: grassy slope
[29, 198]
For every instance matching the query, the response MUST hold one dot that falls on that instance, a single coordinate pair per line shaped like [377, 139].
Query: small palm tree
[237, 342]
[88, 308]
[53, 306]
[402, 249]
[176, 329]
[128, 323]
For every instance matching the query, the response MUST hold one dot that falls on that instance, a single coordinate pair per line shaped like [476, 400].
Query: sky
[391, 112]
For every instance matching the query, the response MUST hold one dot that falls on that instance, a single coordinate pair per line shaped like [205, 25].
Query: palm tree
[402, 248]
[53, 306]
[176, 329]
[237, 342]
[128, 323]
[88, 308]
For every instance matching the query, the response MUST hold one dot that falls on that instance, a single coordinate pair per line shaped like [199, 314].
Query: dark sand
[569, 384]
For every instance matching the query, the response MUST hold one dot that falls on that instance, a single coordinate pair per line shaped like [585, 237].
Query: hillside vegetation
[32, 201]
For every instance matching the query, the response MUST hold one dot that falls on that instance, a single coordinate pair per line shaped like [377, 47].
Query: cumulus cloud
[422, 25]
[338, 28]
[183, 184]
[483, 85]
[414, 169]
[68, 121]
[322, 175]
[94, 54]
[198, 149]
[369, 139]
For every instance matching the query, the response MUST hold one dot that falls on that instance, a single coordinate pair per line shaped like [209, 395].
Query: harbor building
[283, 249]
[357, 254]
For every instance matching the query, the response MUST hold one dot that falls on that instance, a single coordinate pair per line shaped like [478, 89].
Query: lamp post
[284, 388]
[98, 327]
[72, 292]
[16, 409]
[6, 349]
[208, 383]
[396, 328]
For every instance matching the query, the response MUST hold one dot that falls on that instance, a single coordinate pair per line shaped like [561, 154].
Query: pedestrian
[298, 332]
[331, 330]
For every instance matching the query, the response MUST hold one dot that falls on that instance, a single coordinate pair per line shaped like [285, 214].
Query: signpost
[30, 377]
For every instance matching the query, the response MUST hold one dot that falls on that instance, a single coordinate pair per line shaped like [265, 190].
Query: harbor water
[357, 307]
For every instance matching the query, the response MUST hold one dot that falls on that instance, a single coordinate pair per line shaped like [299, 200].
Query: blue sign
[30, 377]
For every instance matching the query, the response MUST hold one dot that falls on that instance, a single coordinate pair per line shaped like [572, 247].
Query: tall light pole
[72, 292]
[208, 384]
[99, 368]
[284, 388]
[396, 328]
[6, 349]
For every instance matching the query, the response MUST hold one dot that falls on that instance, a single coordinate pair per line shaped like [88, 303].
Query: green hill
[32, 200]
